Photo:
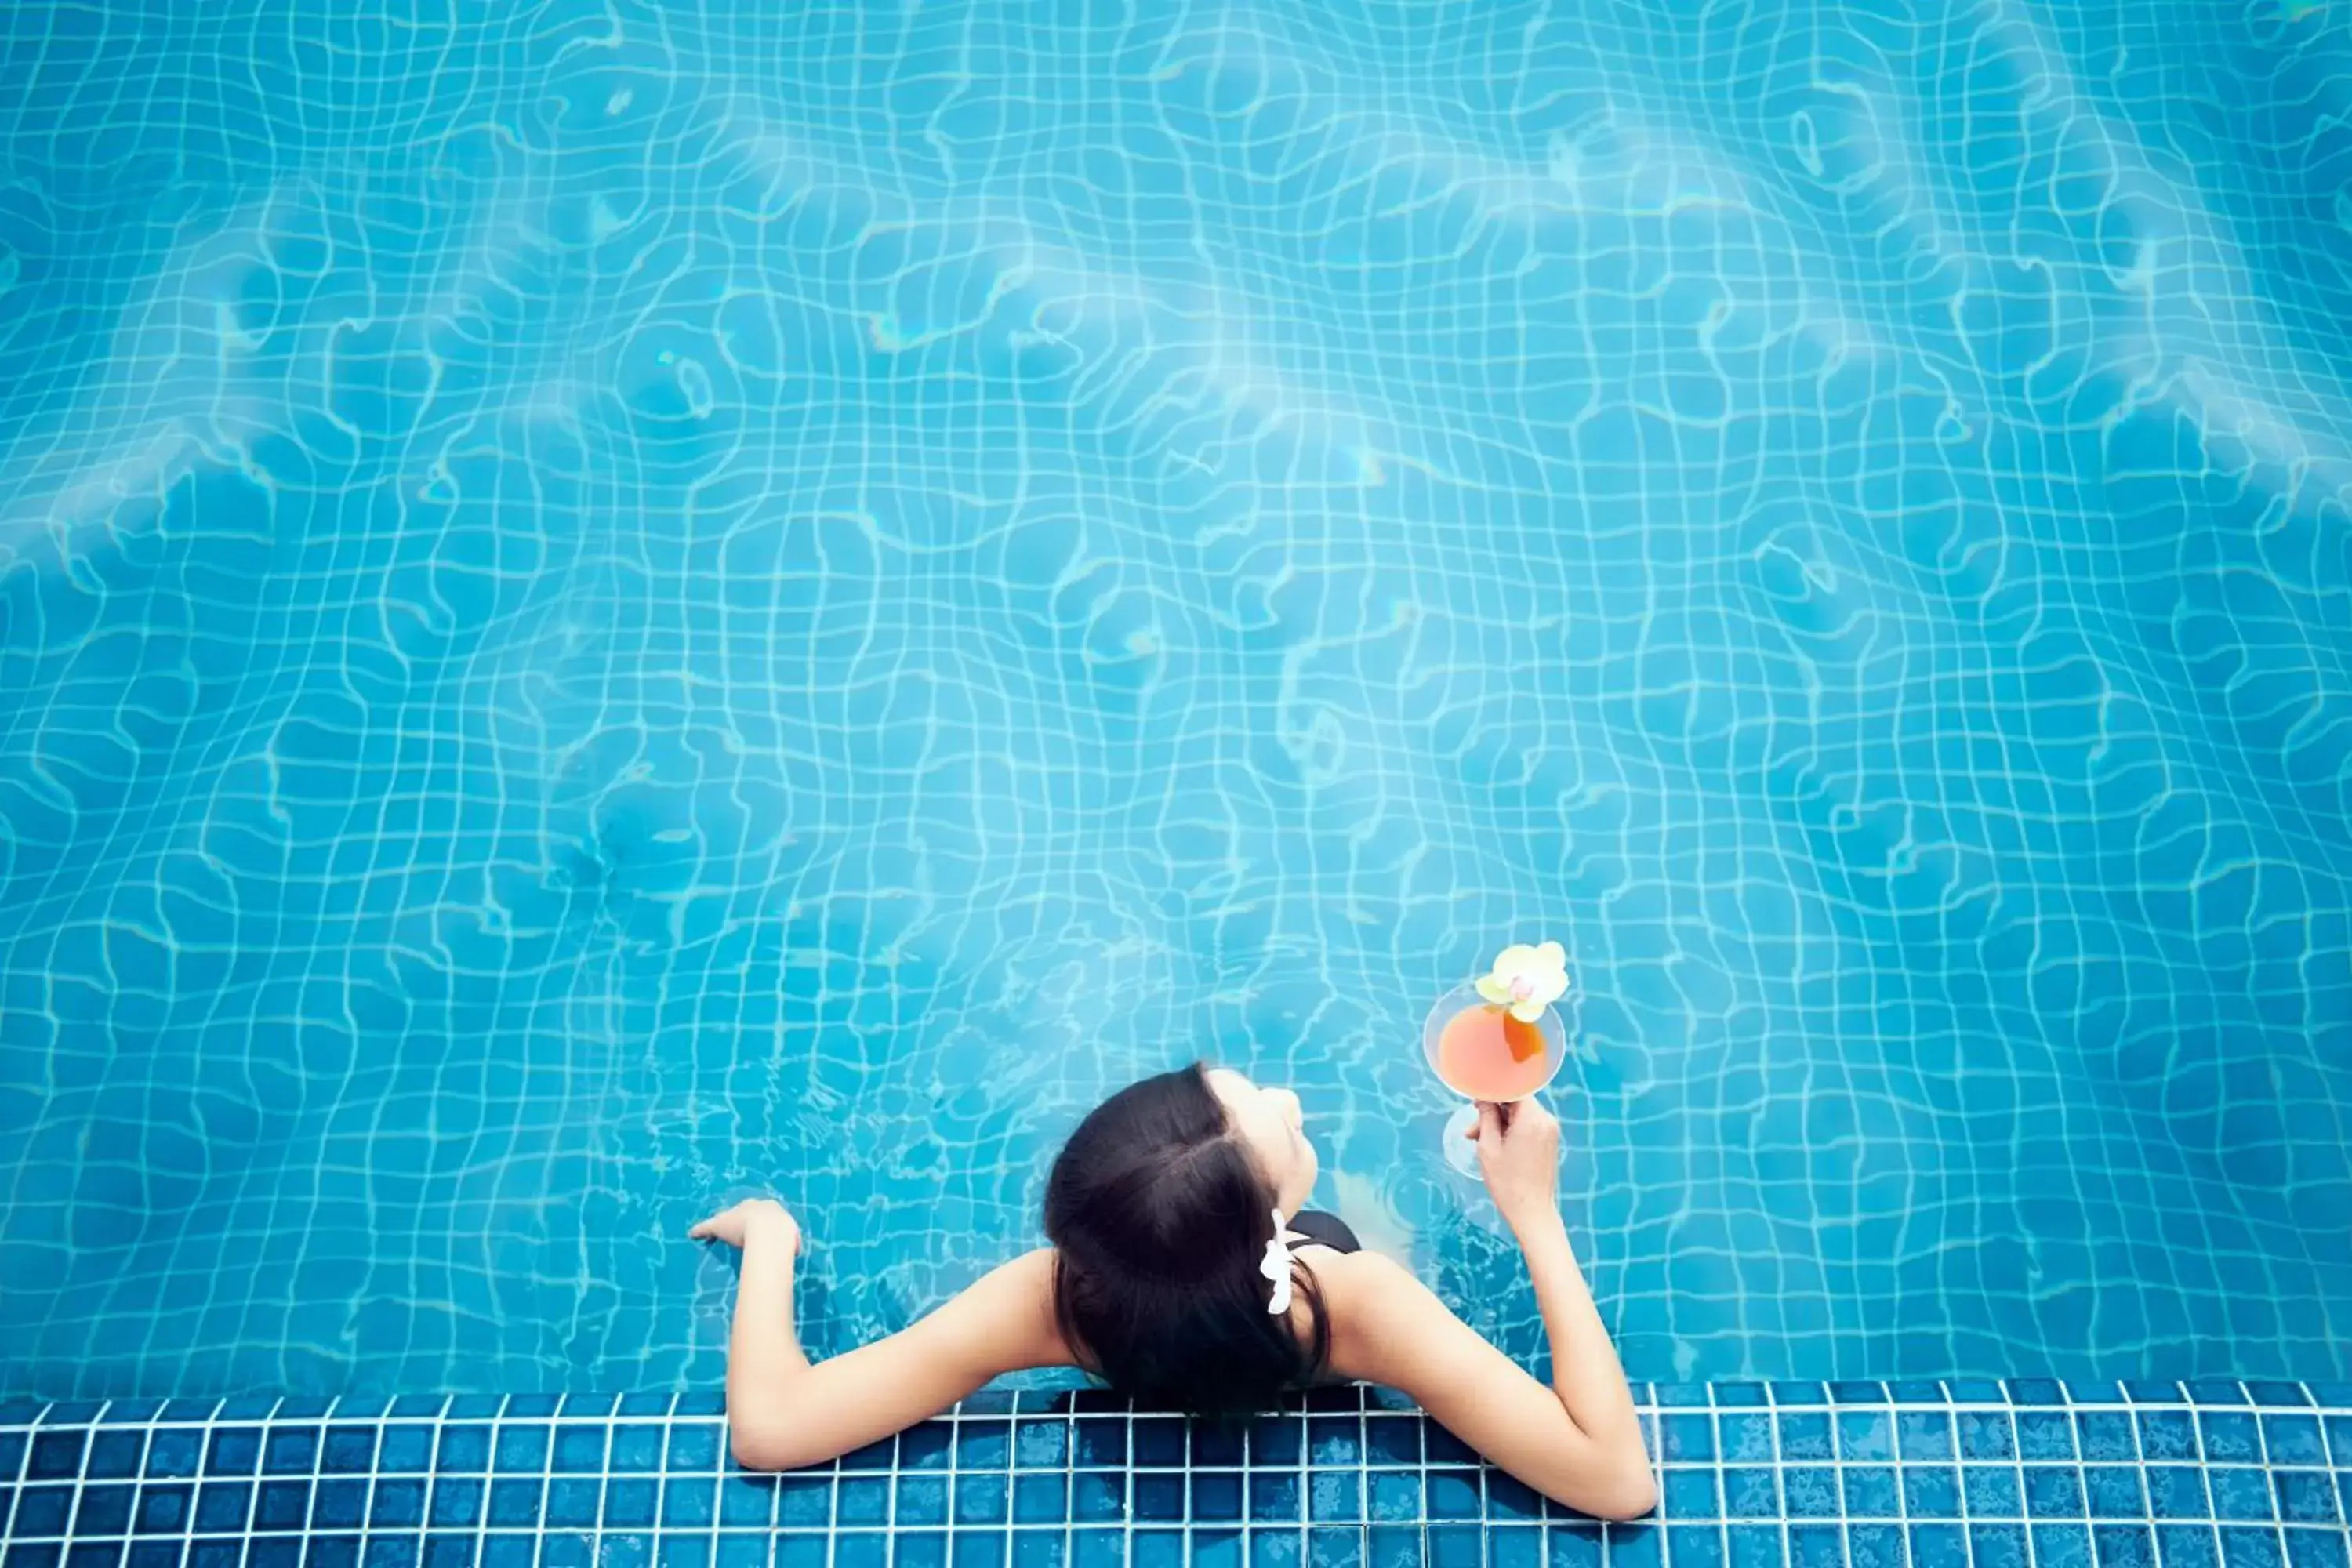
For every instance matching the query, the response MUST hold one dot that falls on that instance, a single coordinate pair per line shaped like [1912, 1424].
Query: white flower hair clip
[1276, 1266]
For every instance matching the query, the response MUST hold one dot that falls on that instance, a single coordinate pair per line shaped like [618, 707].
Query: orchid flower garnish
[1526, 979]
[1276, 1266]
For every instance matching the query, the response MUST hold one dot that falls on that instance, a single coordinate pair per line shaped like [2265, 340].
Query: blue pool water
[603, 606]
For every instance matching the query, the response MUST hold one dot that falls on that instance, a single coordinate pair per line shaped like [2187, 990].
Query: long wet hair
[1160, 1218]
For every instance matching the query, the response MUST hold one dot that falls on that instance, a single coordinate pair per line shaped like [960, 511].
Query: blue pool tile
[113, 1456]
[2216, 1391]
[2230, 1437]
[2054, 1491]
[1335, 1549]
[2167, 1435]
[224, 1507]
[572, 1502]
[57, 1456]
[1798, 1393]
[1691, 1494]
[2105, 1435]
[1931, 1491]
[2044, 1435]
[464, 1449]
[2187, 1546]
[2318, 1549]
[1335, 1440]
[1695, 1545]
[392, 1551]
[1810, 1491]
[404, 1448]
[1452, 1494]
[982, 1498]
[1991, 1491]
[165, 1510]
[458, 1501]
[342, 1504]
[1158, 1499]
[1998, 1545]
[1395, 1546]
[2152, 1390]
[1455, 1546]
[1038, 1498]
[41, 1511]
[861, 1500]
[979, 1548]
[398, 1504]
[1686, 1439]
[2293, 1440]
[282, 1505]
[1395, 1496]
[1098, 1497]
[1216, 1497]
[689, 1502]
[103, 1509]
[2062, 1545]
[1335, 1496]
[1985, 1435]
[1871, 1491]
[1816, 1546]
[1805, 1435]
[2123, 1546]
[520, 1449]
[2304, 1497]
[1515, 1546]
[2113, 1491]
[1746, 1436]
[348, 1450]
[1750, 1492]
[1924, 1435]
[929, 1446]
[1097, 1548]
[1939, 1546]
[1755, 1546]
[1041, 1444]
[1274, 1497]
[578, 1448]
[984, 1444]
[1039, 1549]
[2245, 1548]
[2177, 1491]
[1101, 1444]
[1871, 1545]
[2032, 1391]
[1508, 1499]
[919, 1549]
[1866, 1435]
[635, 1449]
[1581, 1545]
[2239, 1494]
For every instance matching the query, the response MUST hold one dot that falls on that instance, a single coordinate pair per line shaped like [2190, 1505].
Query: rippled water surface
[605, 605]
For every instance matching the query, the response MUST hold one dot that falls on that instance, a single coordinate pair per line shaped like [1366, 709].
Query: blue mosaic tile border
[2020, 1474]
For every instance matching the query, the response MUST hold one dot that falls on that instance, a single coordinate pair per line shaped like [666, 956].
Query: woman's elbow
[1625, 1492]
[760, 1447]
[1634, 1498]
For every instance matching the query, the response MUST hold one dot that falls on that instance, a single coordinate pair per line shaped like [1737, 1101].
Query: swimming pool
[606, 607]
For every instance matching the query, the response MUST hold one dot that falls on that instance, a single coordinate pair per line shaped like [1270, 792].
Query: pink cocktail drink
[1484, 1053]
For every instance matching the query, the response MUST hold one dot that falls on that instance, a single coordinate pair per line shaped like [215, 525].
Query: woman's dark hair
[1160, 1219]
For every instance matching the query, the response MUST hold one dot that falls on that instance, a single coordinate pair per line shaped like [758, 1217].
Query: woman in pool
[1168, 1278]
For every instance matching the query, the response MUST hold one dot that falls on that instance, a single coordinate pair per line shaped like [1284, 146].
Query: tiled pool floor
[2023, 1475]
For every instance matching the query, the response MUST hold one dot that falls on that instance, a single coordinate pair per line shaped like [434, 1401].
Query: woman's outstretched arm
[1579, 1441]
[784, 1412]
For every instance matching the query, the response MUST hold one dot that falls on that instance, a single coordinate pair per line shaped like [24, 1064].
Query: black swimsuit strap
[1325, 1230]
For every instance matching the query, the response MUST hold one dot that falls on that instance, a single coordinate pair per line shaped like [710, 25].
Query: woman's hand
[1518, 1153]
[763, 1216]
